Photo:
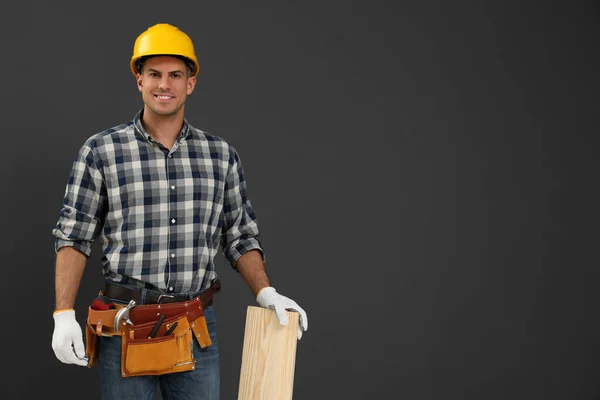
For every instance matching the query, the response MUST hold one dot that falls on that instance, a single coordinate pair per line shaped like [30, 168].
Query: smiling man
[164, 197]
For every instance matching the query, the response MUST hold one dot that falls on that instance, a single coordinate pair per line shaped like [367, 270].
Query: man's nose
[164, 83]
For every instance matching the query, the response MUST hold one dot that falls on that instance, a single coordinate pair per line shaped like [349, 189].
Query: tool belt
[141, 352]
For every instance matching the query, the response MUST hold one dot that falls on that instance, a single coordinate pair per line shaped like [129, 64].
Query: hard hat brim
[187, 60]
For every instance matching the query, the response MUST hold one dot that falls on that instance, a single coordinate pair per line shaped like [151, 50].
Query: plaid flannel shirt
[162, 214]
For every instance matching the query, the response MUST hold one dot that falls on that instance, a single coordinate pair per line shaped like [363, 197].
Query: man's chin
[164, 112]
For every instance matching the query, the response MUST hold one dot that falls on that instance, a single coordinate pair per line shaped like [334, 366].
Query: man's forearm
[252, 269]
[70, 264]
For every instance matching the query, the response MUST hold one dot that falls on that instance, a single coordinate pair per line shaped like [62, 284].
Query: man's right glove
[67, 339]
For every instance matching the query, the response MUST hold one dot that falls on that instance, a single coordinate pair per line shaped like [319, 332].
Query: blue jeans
[202, 383]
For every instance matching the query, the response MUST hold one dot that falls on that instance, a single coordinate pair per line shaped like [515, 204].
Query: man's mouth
[163, 96]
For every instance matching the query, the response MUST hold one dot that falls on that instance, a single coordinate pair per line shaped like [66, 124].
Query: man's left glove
[67, 339]
[269, 298]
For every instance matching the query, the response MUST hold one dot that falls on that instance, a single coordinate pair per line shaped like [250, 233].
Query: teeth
[164, 97]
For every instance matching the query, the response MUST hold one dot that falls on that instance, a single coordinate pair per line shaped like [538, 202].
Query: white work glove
[269, 298]
[67, 339]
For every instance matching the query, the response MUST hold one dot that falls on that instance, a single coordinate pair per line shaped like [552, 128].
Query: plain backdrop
[423, 172]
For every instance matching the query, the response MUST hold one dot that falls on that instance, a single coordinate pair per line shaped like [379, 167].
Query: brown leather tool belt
[156, 338]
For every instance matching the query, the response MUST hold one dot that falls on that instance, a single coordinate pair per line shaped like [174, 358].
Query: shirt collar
[137, 122]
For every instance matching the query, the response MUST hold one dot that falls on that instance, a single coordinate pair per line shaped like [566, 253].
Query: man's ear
[191, 84]
[139, 81]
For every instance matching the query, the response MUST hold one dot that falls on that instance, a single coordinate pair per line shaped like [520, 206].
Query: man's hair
[190, 67]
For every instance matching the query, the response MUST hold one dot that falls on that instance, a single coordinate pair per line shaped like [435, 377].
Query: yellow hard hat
[163, 39]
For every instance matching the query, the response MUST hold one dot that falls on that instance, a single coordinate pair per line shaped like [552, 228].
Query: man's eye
[176, 75]
[153, 74]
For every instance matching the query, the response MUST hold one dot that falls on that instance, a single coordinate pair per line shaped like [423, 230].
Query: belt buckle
[164, 295]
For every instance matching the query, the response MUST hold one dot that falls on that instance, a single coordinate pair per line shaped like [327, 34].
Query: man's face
[165, 85]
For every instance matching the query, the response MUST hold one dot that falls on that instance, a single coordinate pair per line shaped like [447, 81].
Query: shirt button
[172, 255]
[173, 221]
[173, 187]
[170, 155]
[171, 289]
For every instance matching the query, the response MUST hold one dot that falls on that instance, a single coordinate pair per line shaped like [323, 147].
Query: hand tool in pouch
[123, 313]
[171, 329]
[158, 324]
[102, 303]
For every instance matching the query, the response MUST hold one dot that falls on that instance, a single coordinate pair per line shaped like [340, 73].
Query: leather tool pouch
[160, 354]
[91, 345]
[98, 323]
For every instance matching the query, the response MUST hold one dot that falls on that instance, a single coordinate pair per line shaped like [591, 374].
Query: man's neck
[164, 129]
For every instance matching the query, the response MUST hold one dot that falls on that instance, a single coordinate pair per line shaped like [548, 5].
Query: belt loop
[143, 292]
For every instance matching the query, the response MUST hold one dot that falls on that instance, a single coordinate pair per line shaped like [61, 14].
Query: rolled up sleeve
[240, 225]
[84, 205]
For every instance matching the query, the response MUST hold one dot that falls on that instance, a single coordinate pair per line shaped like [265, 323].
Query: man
[164, 197]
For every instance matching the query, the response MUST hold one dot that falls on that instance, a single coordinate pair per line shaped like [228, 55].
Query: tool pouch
[91, 345]
[98, 323]
[193, 310]
[161, 354]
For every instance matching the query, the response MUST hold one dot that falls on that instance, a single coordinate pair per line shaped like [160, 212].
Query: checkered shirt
[162, 214]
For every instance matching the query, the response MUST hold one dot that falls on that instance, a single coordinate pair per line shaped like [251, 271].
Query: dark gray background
[423, 174]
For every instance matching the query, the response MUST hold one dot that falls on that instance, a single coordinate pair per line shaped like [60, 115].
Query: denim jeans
[202, 383]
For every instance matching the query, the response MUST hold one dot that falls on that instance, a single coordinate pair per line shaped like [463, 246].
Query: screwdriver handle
[171, 329]
[158, 324]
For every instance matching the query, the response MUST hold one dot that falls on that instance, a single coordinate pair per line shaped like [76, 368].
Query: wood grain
[268, 356]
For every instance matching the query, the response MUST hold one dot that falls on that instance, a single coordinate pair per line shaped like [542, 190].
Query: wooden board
[268, 356]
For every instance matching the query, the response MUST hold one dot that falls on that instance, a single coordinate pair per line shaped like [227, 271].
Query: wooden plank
[268, 356]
